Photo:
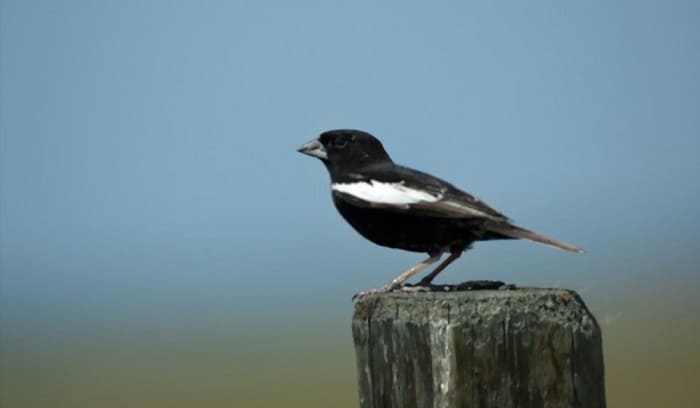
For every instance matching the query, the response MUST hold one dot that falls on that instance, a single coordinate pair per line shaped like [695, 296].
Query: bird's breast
[410, 232]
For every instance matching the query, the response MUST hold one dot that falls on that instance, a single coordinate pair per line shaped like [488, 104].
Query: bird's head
[346, 149]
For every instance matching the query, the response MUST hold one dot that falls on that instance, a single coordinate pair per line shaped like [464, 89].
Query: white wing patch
[385, 193]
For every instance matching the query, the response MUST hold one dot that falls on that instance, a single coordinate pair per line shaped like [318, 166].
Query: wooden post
[489, 348]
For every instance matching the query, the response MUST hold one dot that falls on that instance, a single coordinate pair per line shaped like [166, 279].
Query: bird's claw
[420, 287]
[360, 295]
[383, 289]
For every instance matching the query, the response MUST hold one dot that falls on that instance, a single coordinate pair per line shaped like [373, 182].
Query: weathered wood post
[489, 348]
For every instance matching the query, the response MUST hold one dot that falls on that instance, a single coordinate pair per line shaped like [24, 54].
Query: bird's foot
[383, 289]
[407, 288]
[431, 287]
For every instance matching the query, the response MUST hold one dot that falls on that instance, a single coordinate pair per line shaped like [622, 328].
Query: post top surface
[560, 306]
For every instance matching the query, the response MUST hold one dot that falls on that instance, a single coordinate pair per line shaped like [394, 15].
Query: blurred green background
[162, 244]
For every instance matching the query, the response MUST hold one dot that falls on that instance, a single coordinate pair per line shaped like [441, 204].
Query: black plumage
[398, 207]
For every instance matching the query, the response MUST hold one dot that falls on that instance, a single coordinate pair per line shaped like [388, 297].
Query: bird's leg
[397, 281]
[429, 278]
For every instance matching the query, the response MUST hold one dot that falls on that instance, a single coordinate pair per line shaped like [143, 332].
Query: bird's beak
[314, 148]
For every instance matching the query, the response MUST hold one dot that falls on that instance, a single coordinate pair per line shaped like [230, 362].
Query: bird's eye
[340, 143]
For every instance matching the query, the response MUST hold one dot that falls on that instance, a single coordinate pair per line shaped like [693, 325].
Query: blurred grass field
[650, 344]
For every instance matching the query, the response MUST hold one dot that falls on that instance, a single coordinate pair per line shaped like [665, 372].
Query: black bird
[398, 207]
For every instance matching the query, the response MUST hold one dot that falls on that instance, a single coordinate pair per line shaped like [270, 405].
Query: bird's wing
[402, 189]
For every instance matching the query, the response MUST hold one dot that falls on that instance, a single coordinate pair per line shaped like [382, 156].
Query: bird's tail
[521, 233]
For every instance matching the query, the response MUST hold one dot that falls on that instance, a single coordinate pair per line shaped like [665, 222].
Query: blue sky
[148, 171]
